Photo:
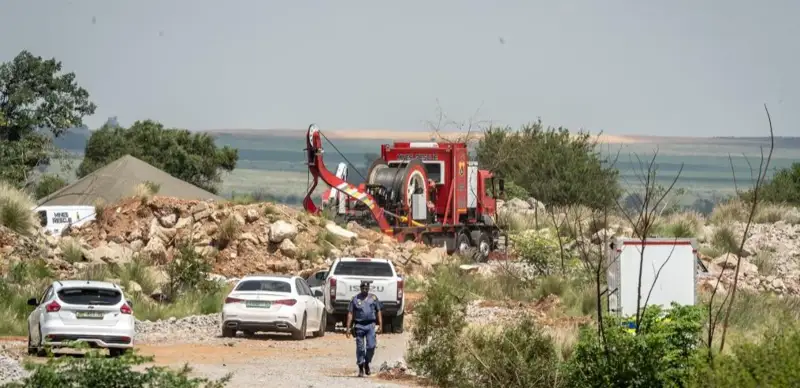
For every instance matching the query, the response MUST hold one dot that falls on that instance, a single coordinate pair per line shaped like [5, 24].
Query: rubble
[239, 239]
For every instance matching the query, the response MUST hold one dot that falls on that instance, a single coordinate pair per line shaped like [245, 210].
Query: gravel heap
[189, 329]
[11, 369]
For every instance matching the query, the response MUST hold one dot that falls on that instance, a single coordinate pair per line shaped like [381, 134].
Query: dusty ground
[271, 359]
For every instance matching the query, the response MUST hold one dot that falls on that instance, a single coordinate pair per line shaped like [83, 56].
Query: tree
[784, 187]
[551, 164]
[192, 157]
[35, 98]
[47, 185]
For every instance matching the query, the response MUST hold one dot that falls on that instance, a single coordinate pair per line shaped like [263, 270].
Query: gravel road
[275, 360]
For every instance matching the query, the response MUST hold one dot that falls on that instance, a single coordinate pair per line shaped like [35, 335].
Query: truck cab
[343, 282]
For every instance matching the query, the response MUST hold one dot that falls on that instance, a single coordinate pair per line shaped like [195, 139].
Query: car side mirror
[129, 302]
[318, 293]
[33, 302]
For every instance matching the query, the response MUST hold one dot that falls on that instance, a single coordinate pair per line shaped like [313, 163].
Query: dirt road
[271, 359]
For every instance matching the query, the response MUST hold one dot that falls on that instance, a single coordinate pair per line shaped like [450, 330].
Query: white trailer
[668, 268]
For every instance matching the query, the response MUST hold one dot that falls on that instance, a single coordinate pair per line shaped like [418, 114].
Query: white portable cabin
[55, 219]
[668, 268]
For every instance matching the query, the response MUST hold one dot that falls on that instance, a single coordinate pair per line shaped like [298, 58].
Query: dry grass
[682, 225]
[737, 210]
[16, 210]
[228, 230]
[71, 249]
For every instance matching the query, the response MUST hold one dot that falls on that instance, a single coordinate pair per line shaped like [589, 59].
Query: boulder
[110, 253]
[281, 230]
[339, 231]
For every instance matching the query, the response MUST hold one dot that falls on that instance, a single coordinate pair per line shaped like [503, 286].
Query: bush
[95, 370]
[187, 271]
[682, 225]
[47, 185]
[540, 249]
[16, 210]
[520, 356]
[784, 187]
[445, 351]
[435, 348]
[661, 354]
[770, 363]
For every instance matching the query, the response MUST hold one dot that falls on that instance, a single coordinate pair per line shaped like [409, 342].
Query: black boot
[366, 369]
[360, 370]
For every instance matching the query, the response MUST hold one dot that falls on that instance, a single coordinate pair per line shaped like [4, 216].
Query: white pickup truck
[343, 281]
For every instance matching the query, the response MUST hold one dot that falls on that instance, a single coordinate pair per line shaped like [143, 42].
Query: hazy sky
[679, 67]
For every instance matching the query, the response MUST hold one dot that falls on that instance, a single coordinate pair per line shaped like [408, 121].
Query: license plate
[89, 315]
[258, 304]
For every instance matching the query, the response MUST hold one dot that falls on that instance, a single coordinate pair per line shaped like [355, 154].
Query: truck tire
[462, 243]
[397, 324]
[484, 246]
[330, 322]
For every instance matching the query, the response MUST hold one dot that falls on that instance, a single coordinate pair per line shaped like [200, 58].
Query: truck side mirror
[502, 183]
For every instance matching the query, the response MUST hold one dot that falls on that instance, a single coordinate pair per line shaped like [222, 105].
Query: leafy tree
[48, 184]
[35, 98]
[783, 188]
[192, 157]
[551, 164]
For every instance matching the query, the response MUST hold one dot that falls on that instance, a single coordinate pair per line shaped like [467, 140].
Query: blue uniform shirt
[365, 308]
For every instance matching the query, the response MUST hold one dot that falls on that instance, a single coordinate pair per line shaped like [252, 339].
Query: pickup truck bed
[344, 282]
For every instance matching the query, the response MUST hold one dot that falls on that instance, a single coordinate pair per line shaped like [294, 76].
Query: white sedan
[273, 303]
[82, 311]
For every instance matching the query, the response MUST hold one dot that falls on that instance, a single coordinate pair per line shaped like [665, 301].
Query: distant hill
[75, 139]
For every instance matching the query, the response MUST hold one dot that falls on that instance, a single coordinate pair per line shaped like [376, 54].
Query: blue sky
[683, 68]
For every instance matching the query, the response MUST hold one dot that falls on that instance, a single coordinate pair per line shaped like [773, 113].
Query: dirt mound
[240, 239]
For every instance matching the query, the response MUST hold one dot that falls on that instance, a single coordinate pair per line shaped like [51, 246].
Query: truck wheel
[387, 327]
[462, 243]
[484, 246]
[397, 324]
[330, 322]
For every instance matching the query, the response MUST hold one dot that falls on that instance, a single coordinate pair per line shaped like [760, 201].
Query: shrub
[770, 363]
[71, 250]
[435, 348]
[682, 225]
[661, 354]
[16, 210]
[189, 270]
[724, 239]
[95, 370]
[48, 184]
[521, 355]
[784, 187]
[538, 248]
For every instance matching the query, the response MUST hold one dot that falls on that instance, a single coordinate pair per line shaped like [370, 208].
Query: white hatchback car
[81, 311]
[273, 303]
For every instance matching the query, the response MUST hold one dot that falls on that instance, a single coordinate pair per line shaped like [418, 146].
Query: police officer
[365, 310]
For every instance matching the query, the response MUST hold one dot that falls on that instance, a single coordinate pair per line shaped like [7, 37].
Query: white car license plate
[89, 315]
[259, 304]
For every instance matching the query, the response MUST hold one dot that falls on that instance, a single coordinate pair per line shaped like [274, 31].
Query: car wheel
[32, 349]
[248, 333]
[40, 350]
[323, 322]
[300, 334]
[228, 332]
[116, 352]
[397, 324]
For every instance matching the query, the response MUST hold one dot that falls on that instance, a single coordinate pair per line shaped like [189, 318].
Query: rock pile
[773, 247]
[241, 239]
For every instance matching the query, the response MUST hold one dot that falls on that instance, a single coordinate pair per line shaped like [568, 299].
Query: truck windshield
[364, 268]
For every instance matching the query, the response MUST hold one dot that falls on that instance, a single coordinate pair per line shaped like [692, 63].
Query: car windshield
[264, 285]
[93, 296]
[364, 268]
